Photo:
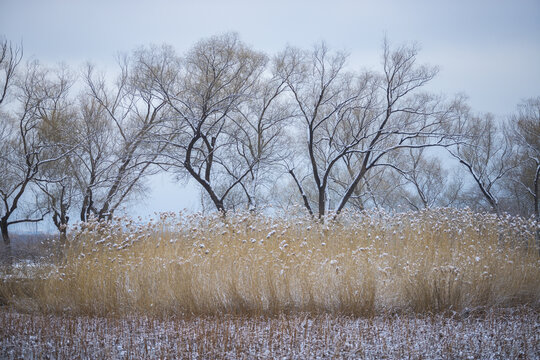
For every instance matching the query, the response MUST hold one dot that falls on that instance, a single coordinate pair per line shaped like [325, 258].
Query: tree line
[296, 127]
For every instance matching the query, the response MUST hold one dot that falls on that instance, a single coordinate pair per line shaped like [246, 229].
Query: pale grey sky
[489, 50]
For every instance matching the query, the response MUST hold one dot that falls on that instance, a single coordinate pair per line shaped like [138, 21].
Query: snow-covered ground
[495, 334]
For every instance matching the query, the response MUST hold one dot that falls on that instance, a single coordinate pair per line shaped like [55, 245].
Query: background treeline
[295, 128]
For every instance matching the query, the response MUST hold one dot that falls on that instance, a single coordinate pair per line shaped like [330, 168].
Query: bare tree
[526, 132]
[378, 189]
[426, 182]
[525, 125]
[10, 57]
[211, 118]
[332, 105]
[361, 119]
[116, 134]
[56, 179]
[257, 131]
[488, 155]
[24, 149]
[94, 156]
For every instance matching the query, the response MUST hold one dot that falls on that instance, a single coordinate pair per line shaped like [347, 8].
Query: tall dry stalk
[365, 263]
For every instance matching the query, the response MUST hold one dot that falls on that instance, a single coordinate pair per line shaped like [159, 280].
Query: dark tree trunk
[301, 189]
[7, 258]
[322, 203]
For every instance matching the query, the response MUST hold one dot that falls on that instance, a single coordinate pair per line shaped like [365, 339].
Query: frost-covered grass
[499, 334]
[363, 264]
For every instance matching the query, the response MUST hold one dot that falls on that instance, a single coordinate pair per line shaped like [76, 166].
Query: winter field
[432, 284]
[502, 334]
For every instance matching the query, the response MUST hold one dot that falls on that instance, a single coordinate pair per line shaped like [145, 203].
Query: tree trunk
[302, 193]
[536, 195]
[322, 203]
[61, 220]
[536, 210]
[63, 236]
[7, 258]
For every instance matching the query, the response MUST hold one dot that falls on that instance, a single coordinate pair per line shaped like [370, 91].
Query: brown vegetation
[431, 261]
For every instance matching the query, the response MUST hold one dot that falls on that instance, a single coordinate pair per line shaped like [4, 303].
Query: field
[439, 283]
[508, 334]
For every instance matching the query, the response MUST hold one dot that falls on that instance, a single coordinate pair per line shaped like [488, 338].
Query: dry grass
[434, 261]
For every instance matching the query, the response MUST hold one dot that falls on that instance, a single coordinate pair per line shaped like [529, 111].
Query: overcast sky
[489, 50]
